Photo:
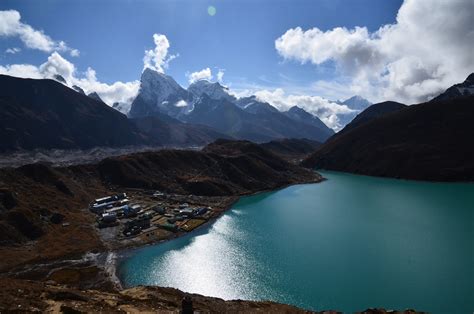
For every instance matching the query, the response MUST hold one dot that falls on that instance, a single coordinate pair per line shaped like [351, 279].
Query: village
[145, 216]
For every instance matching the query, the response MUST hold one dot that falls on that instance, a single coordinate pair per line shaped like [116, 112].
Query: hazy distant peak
[298, 110]
[470, 79]
[122, 107]
[356, 103]
[78, 89]
[59, 78]
[95, 96]
[465, 88]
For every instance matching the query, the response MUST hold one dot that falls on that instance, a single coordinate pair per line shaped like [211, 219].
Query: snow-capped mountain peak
[159, 93]
[213, 90]
[356, 103]
[157, 86]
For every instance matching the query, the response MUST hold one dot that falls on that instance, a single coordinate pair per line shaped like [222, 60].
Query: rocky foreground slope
[34, 296]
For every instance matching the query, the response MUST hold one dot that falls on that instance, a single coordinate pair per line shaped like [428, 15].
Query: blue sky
[112, 35]
[304, 53]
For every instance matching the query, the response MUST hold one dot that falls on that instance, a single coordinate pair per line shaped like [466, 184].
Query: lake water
[349, 243]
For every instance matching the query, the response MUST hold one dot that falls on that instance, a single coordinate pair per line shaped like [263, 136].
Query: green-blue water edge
[349, 243]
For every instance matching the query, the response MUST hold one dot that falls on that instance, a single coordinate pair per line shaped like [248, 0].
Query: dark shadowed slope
[292, 149]
[47, 114]
[171, 132]
[221, 168]
[430, 141]
[373, 112]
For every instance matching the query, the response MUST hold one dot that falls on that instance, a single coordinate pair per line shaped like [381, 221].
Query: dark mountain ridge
[47, 114]
[171, 132]
[465, 88]
[372, 112]
[292, 149]
[428, 141]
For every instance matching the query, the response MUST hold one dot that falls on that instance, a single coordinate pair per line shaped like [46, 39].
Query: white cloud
[11, 26]
[74, 53]
[157, 59]
[181, 104]
[335, 90]
[324, 109]
[21, 70]
[57, 65]
[13, 50]
[204, 74]
[429, 48]
[122, 92]
[220, 75]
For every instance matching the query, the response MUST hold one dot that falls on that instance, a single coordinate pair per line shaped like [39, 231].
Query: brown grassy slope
[26, 230]
[430, 141]
[222, 168]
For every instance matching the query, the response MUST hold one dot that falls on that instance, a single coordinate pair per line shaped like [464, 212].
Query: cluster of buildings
[111, 208]
[118, 210]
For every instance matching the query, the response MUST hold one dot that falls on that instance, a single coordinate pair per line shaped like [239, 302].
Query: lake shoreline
[128, 249]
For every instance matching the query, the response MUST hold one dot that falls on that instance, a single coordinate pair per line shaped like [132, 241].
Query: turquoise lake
[348, 243]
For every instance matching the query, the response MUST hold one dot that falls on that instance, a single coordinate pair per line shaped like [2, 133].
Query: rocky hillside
[29, 296]
[429, 141]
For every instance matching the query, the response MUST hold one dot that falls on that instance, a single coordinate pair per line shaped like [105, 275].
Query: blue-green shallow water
[349, 243]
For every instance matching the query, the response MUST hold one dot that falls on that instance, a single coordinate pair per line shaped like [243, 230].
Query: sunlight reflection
[211, 10]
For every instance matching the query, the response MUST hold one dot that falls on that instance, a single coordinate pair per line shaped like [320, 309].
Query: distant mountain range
[428, 141]
[211, 105]
[44, 114]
